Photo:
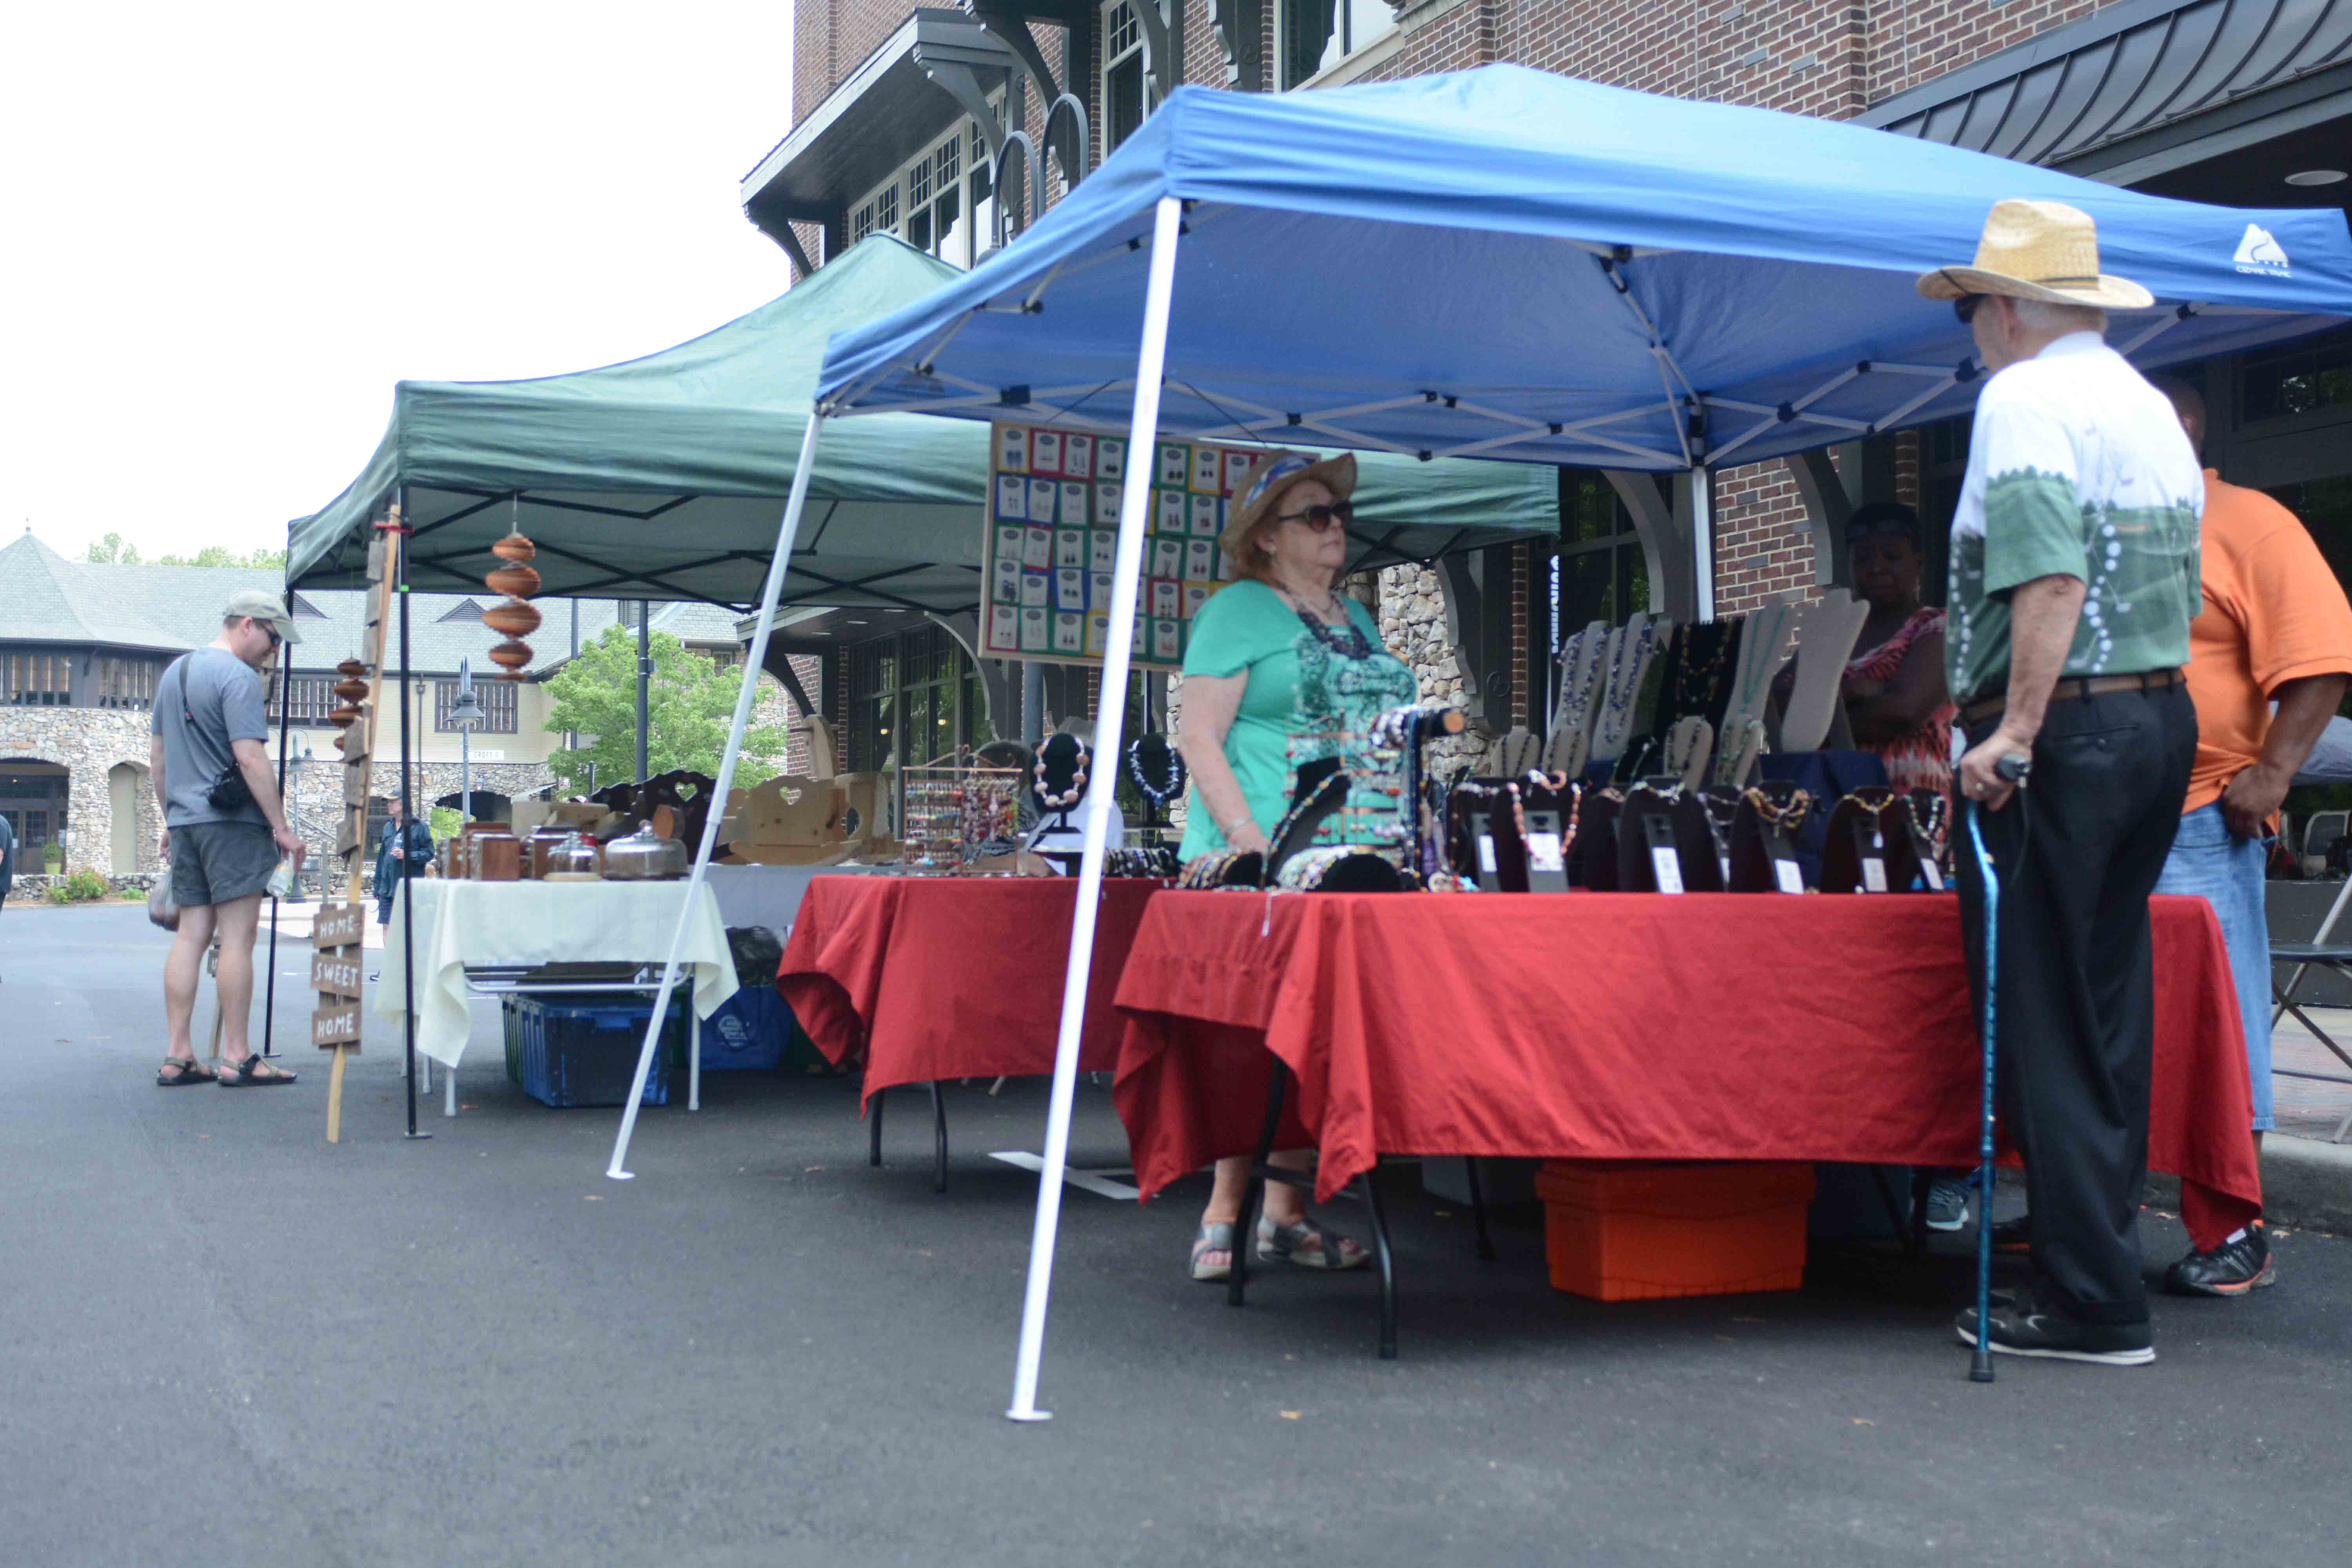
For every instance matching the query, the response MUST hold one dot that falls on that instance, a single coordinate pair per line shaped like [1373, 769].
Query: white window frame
[1378, 24]
[887, 207]
[1117, 53]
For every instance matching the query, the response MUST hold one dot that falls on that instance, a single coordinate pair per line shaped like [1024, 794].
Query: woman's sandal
[246, 1074]
[1308, 1246]
[1214, 1238]
[178, 1073]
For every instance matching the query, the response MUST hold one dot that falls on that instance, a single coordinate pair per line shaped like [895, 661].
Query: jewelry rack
[956, 807]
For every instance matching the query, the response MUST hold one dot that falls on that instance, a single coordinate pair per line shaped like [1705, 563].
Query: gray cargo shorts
[218, 862]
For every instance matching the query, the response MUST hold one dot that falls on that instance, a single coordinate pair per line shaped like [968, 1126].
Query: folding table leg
[1385, 1261]
[874, 1127]
[1487, 1253]
[449, 1090]
[1245, 1226]
[693, 1058]
[938, 1139]
[423, 1073]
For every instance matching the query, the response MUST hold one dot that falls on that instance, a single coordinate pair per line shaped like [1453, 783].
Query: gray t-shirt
[204, 701]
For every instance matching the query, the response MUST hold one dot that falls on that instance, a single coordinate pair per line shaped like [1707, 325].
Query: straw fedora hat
[2037, 251]
[1271, 477]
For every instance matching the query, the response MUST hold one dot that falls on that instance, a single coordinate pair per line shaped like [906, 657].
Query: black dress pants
[2077, 852]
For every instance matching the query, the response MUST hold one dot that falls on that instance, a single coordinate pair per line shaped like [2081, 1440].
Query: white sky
[231, 228]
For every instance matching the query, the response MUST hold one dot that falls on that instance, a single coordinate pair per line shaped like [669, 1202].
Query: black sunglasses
[1320, 519]
[1965, 307]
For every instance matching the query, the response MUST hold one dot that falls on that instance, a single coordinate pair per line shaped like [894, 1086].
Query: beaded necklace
[1686, 745]
[1347, 639]
[1078, 790]
[1783, 818]
[1930, 824]
[1632, 659]
[1158, 791]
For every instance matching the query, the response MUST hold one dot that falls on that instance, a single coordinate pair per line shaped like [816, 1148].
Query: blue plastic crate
[747, 1032]
[585, 1055]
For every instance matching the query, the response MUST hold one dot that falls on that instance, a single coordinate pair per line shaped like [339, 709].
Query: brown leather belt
[2081, 685]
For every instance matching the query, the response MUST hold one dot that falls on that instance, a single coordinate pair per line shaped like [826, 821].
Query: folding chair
[2305, 956]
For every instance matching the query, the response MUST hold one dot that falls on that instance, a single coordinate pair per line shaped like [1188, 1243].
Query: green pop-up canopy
[662, 478]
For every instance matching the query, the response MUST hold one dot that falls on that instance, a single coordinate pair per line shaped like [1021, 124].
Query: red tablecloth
[938, 977]
[1724, 1026]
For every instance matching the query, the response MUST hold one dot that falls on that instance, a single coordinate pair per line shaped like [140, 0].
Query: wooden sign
[337, 1026]
[338, 925]
[336, 972]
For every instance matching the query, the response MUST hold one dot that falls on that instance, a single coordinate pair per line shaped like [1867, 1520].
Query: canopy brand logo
[2259, 253]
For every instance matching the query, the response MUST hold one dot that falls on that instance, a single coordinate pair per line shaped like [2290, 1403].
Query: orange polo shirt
[2273, 613]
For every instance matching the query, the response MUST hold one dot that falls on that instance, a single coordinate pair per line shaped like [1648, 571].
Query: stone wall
[89, 743]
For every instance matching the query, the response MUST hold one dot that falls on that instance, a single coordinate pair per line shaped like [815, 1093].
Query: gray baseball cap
[262, 607]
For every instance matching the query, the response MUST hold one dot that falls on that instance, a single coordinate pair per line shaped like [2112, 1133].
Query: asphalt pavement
[230, 1342]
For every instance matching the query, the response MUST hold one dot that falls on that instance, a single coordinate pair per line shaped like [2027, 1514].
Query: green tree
[113, 550]
[690, 704]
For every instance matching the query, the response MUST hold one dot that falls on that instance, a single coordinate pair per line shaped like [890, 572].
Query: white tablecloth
[460, 922]
[771, 896]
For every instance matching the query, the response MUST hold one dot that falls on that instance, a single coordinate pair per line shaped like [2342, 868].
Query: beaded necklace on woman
[1339, 633]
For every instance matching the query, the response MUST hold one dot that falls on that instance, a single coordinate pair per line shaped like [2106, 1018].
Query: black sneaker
[1947, 1206]
[2013, 1235]
[2239, 1265]
[2028, 1323]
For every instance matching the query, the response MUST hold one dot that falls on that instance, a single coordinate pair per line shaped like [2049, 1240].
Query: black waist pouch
[229, 792]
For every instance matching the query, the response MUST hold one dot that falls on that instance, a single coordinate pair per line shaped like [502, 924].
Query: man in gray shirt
[224, 830]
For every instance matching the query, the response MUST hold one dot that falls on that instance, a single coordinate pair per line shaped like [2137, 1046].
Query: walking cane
[2013, 769]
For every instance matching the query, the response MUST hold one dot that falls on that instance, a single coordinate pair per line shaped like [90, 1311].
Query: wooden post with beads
[337, 933]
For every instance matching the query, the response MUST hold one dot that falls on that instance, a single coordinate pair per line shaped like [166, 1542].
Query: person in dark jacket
[399, 854]
[7, 858]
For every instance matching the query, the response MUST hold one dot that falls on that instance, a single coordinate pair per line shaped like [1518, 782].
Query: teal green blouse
[1298, 685]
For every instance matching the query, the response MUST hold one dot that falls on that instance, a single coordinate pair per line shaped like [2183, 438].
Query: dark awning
[882, 114]
[2142, 88]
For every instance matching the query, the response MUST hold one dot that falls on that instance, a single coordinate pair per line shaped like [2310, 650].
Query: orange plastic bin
[1631, 1230]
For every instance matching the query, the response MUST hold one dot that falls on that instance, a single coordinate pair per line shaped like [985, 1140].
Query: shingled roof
[46, 598]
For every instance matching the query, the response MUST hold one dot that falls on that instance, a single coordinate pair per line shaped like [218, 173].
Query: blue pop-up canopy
[1504, 263]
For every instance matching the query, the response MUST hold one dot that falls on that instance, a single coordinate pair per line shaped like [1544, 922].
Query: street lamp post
[465, 713]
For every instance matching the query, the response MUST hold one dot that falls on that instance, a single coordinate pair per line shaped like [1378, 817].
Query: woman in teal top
[1280, 669]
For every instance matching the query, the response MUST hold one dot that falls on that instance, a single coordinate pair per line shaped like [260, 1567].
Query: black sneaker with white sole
[2029, 1324]
[2238, 1265]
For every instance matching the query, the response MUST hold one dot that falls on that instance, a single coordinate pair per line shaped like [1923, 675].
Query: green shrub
[84, 887]
[53, 857]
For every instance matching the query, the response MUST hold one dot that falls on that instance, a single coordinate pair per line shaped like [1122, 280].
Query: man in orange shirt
[2275, 628]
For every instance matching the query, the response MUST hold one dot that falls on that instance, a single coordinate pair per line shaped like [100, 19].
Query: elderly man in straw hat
[2075, 577]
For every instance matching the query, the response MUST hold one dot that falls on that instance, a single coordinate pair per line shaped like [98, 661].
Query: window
[126, 683]
[1315, 35]
[912, 697]
[1126, 88]
[931, 184]
[497, 700]
[1604, 572]
[2308, 378]
[313, 698]
[37, 680]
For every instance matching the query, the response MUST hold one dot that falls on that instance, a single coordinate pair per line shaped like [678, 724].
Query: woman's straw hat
[1270, 478]
[2037, 251]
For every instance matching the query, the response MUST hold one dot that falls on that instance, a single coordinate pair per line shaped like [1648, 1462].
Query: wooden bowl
[514, 547]
[516, 581]
[343, 718]
[352, 667]
[350, 691]
[511, 619]
[511, 655]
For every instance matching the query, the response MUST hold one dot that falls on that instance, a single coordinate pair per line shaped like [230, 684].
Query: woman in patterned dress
[1895, 699]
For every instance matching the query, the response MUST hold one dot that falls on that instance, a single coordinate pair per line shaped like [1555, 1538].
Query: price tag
[1874, 874]
[1486, 853]
[1544, 853]
[1668, 867]
[1790, 878]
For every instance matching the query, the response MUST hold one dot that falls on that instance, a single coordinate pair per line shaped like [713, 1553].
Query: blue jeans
[2209, 862]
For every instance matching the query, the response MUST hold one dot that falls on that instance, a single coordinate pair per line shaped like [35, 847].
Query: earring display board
[1051, 540]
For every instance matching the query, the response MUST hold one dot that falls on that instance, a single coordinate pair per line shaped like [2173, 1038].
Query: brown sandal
[247, 1074]
[178, 1074]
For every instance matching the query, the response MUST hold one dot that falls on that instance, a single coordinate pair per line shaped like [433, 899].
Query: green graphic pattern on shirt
[1339, 698]
[2078, 469]
[2138, 565]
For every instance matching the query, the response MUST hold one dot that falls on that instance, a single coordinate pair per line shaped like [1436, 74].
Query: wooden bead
[514, 547]
[516, 581]
[513, 618]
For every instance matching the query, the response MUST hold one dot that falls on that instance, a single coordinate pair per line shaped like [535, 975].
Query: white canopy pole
[1127, 574]
[786, 531]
